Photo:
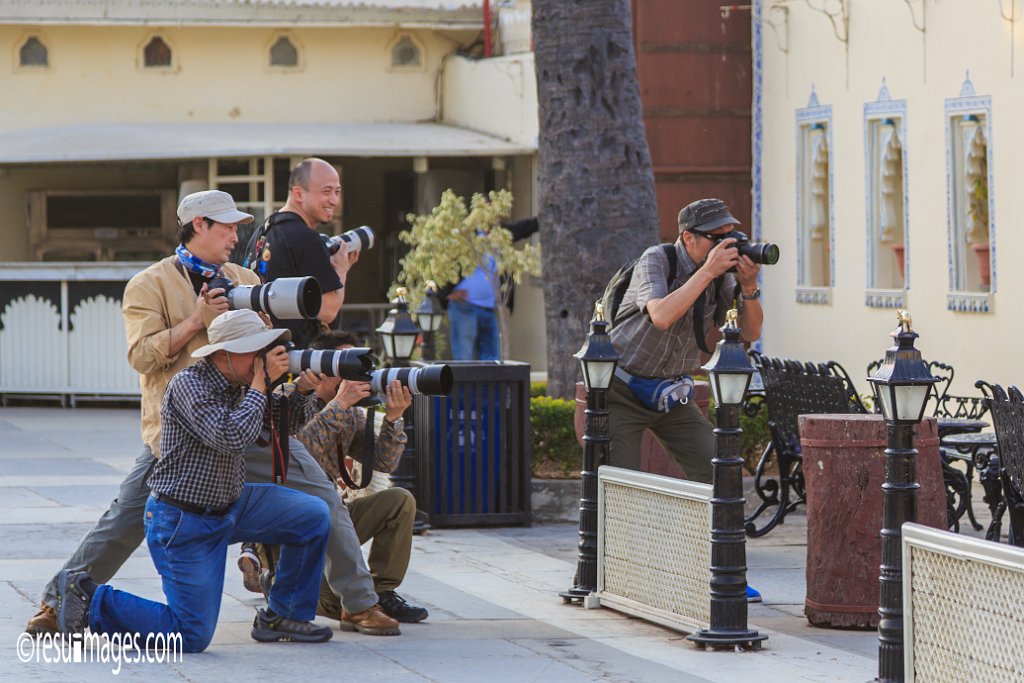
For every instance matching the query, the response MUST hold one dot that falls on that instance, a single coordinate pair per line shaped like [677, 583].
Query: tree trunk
[597, 202]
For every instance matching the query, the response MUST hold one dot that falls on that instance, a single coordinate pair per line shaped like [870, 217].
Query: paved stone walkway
[492, 593]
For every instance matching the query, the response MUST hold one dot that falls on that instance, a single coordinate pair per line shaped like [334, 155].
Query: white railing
[61, 330]
[654, 547]
[963, 603]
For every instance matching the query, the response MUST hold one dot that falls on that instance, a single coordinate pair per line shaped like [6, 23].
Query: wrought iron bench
[1007, 410]
[954, 415]
[791, 389]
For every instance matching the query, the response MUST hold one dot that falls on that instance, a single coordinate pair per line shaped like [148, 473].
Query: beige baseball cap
[219, 206]
[240, 331]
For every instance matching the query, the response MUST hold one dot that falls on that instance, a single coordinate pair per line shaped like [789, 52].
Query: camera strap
[278, 411]
[698, 312]
[365, 458]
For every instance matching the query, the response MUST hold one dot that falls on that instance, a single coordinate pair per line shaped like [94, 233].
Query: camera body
[287, 298]
[357, 240]
[764, 253]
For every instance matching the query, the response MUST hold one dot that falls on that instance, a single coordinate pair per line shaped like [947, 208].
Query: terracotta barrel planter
[844, 468]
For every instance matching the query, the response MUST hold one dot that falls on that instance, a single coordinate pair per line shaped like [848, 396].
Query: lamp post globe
[901, 388]
[597, 356]
[729, 369]
[597, 359]
[398, 333]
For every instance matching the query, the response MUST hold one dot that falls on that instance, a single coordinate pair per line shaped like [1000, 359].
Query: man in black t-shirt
[291, 246]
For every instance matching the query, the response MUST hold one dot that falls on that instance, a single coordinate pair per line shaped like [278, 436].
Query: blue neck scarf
[195, 264]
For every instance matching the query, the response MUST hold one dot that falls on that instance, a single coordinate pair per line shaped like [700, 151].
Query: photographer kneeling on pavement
[383, 513]
[656, 334]
[200, 503]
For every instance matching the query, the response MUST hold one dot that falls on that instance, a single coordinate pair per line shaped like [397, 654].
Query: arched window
[33, 53]
[156, 54]
[405, 53]
[283, 53]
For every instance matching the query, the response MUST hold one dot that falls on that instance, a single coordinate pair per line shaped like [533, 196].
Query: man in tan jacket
[167, 309]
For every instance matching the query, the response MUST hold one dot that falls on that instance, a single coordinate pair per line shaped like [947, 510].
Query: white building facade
[886, 155]
[113, 110]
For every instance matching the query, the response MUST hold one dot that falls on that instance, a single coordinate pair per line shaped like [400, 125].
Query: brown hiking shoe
[371, 622]
[249, 564]
[42, 622]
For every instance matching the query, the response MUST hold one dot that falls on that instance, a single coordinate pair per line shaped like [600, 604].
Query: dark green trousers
[683, 432]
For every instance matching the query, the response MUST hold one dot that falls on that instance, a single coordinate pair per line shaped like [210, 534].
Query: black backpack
[616, 288]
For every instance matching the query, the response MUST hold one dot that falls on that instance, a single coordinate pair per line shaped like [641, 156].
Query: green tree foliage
[452, 240]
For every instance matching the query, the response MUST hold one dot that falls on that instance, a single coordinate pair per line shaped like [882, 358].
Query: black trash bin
[473, 447]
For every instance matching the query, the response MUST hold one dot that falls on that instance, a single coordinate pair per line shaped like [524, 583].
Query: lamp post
[729, 371]
[597, 358]
[428, 317]
[901, 387]
[398, 335]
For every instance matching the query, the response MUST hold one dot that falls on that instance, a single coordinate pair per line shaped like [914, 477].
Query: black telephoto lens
[433, 380]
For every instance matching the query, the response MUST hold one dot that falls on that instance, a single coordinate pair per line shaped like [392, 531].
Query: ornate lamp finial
[903, 316]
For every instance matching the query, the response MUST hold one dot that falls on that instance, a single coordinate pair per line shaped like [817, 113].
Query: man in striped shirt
[200, 503]
[656, 333]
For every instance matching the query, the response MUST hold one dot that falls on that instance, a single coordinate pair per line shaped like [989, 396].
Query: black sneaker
[282, 630]
[395, 606]
[72, 602]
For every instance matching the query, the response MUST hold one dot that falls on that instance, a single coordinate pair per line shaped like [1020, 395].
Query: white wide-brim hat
[240, 331]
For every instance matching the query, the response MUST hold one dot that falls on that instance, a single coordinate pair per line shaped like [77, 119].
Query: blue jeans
[474, 332]
[189, 552]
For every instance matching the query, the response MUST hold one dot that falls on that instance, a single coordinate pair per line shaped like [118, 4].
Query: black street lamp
[901, 386]
[398, 334]
[729, 370]
[597, 358]
[428, 317]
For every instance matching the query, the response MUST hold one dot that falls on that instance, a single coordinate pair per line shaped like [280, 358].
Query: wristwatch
[398, 424]
[756, 294]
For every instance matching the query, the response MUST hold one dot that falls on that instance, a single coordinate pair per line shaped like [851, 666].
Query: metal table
[950, 425]
[979, 450]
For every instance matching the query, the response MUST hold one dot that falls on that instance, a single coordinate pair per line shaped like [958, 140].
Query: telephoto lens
[433, 380]
[356, 364]
[357, 240]
[764, 253]
[286, 298]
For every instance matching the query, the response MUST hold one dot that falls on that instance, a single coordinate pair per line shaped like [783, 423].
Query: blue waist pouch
[660, 395]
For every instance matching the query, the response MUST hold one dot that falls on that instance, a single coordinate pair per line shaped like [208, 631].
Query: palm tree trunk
[597, 202]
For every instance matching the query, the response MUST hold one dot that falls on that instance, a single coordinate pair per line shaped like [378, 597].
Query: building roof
[154, 141]
[441, 14]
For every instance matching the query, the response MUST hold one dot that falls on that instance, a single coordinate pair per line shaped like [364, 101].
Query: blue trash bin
[473, 447]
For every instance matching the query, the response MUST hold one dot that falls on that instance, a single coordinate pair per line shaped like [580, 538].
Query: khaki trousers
[683, 432]
[386, 517]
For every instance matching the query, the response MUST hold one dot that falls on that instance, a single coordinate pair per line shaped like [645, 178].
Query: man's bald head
[305, 169]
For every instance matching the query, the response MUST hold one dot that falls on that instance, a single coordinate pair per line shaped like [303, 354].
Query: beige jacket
[156, 300]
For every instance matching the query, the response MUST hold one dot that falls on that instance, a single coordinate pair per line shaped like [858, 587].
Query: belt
[191, 507]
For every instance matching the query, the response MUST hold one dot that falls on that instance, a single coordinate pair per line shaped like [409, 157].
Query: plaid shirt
[335, 427]
[207, 425]
[646, 351]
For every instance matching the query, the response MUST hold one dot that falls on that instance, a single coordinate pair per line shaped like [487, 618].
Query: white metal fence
[963, 602]
[654, 547]
[61, 330]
